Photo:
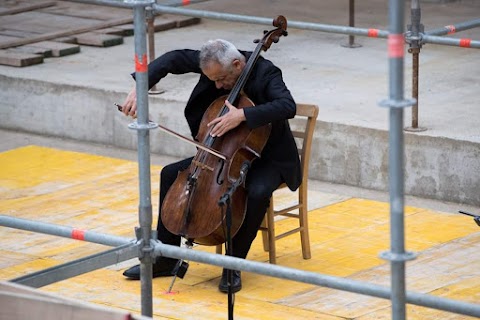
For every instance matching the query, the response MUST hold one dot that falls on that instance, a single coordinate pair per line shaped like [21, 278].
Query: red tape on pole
[78, 234]
[373, 33]
[465, 43]
[396, 45]
[185, 2]
[451, 29]
[141, 66]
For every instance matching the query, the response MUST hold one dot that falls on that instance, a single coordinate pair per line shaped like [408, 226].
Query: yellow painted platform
[101, 194]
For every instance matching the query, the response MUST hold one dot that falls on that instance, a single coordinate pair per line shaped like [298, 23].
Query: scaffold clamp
[145, 126]
[141, 3]
[390, 103]
[398, 257]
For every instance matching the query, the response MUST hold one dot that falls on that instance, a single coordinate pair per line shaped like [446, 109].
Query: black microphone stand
[475, 217]
[225, 200]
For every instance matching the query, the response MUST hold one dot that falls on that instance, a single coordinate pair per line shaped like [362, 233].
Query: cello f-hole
[220, 172]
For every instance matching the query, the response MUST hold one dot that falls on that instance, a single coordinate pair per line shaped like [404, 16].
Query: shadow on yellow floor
[101, 194]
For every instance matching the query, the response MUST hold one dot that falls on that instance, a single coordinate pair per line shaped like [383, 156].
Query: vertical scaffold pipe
[397, 244]
[397, 255]
[351, 23]
[142, 127]
[415, 29]
[151, 44]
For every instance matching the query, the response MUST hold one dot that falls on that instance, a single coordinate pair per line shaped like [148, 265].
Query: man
[220, 64]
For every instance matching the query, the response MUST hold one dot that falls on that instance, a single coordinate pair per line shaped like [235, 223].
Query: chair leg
[304, 236]
[264, 228]
[272, 252]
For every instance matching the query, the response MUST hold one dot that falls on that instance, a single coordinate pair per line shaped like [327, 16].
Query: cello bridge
[202, 165]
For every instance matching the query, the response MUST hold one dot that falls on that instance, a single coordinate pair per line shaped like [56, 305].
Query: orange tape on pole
[141, 66]
[78, 234]
[373, 33]
[465, 43]
[396, 45]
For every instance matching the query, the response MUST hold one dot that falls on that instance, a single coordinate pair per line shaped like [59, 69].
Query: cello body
[192, 211]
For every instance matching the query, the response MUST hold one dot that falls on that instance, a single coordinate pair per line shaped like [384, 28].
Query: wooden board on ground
[25, 7]
[19, 59]
[42, 22]
[56, 28]
[91, 11]
[58, 49]
[98, 39]
[44, 52]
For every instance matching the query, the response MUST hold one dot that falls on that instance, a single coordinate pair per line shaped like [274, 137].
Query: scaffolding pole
[127, 250]
[376, 33]
[454, 28]
[63, 231]
[143, 127]
[150, 248]
[396, 102]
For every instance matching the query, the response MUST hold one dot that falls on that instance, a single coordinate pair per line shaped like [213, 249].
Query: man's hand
[227, 122]
[129, 106]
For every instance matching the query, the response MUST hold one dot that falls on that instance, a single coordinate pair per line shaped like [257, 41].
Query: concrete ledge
[435, 167]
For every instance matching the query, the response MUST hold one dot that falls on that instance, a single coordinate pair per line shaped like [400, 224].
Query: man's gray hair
[220, 51]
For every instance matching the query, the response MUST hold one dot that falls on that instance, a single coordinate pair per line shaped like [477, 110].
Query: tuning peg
[256, 41]
[265, 31]
[275, 39]
[285, 33]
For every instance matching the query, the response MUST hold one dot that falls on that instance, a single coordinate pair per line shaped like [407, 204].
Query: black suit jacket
[265, 87]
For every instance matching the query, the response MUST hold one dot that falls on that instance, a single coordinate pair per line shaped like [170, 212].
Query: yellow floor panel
[101, 194]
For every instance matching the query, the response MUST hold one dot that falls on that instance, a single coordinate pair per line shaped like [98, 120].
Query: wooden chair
[303, 136]
[305, 118]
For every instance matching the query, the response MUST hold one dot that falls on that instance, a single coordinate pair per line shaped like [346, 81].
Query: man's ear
[237, 64]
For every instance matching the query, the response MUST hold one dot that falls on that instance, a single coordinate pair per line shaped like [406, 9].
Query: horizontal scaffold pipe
[374, 33]
[350, 285]
[131, 3]
[464, 43]
[62, 231]
[453, 28]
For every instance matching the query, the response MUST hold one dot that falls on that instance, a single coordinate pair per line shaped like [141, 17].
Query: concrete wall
[437, 168]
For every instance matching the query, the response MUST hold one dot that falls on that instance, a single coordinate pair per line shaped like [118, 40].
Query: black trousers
[262, 180]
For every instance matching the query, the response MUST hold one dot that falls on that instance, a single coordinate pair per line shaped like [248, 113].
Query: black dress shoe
[162, 268]
[236, 281]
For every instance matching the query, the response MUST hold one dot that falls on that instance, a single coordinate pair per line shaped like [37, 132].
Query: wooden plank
[68, 39]
[18, 33]
[127, 29]
[162, 24]
[18, 59]
[99, 40]
[57, 34]
[58, 49]
[41, 22]
[44, 52]
[186, 21]
[114, 30]
[91, 11]
[26, 7]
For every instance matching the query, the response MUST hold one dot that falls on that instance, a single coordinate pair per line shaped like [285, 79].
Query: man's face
[224, 77]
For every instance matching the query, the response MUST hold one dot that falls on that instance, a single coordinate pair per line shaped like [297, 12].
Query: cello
[191, 206]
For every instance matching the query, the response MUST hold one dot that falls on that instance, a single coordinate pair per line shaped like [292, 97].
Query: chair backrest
[302, 129]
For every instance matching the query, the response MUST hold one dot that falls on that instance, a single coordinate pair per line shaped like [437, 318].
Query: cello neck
[242, 80]
[263, 45]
